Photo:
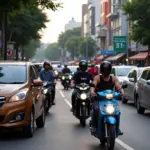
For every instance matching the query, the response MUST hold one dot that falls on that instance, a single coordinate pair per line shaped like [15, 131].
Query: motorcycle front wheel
[111, 129]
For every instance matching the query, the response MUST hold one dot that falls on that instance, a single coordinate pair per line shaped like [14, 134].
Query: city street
[63, 132]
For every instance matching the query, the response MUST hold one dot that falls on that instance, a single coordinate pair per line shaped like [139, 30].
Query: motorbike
[66, 78]
[82, 103]
[108, 118]
[49, 94]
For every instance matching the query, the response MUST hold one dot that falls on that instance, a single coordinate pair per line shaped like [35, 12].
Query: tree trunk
[22, 53]
[148, 58]
[17, 51]
[4, 35]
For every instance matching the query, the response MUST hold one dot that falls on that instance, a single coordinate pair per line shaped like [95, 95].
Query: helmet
[65, 65]
[83, 65]
[46, 63]
[105, 68]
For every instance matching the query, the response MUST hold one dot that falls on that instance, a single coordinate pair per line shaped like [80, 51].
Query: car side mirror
[37, 82]
[132, 79]
[124, 86]
[148, 82]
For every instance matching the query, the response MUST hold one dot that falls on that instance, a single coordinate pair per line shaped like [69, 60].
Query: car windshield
[73, 69]
[123, 71]
[13, 74]
[140, 71]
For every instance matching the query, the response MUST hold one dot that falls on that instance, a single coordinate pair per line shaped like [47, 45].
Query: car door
[39, 93]
[132, 84]
[147, 90]
[141, 87]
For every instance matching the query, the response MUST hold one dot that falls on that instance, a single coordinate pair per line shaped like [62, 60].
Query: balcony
[113, 15]
[101, 34]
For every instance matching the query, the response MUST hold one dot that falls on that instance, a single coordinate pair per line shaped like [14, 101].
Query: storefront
[117, 59]
[139, 59]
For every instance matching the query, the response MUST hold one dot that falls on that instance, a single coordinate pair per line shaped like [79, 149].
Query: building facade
[72, 24]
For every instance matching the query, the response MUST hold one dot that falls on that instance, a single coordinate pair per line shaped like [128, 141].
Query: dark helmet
[65, 65]
[83, 65]
[105, 68]
[46, 63]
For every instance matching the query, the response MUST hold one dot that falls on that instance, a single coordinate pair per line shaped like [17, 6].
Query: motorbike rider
[79, 77]
[66, 69]
[103, 82]
[93, 70]
[47, 75]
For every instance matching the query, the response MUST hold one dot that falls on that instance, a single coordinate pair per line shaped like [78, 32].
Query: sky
[58, 20]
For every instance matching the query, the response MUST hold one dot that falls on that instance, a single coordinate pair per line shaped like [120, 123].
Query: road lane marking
[127, 147]
[62, 94]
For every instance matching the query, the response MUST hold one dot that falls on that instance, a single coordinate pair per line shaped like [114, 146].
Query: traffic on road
[82, 108]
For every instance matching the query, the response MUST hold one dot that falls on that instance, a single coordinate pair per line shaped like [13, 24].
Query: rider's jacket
[47, 75]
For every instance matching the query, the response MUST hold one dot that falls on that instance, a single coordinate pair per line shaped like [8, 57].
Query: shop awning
[116, 57]
[100, 57]
[139, 56]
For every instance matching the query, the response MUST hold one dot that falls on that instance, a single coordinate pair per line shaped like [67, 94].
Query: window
[144, 75]
[33, 74]
[113, 71]
[148, 75]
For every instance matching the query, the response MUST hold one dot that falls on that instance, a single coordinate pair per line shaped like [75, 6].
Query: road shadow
[97, 146]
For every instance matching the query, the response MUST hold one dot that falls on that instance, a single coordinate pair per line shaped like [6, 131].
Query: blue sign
[107, 52]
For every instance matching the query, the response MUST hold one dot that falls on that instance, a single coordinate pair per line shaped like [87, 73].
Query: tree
[30, 49]
[138, 12]
[64, 36]
[91, 44]
[73, 45]
[53, 52]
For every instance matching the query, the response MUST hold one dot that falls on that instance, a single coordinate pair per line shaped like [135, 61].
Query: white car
[121, 72]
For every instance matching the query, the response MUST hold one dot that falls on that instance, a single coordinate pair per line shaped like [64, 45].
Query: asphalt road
[63, 132]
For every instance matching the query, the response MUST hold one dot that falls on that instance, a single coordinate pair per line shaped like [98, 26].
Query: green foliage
[73, 45]
[138, 12]
[91, 47]
[53, 52]
[24, 26]
[64, 36]
[30, 49]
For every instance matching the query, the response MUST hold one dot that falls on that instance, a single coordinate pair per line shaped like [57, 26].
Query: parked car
[121, 72]
[130, 84]
[21, 97]
[143, 91]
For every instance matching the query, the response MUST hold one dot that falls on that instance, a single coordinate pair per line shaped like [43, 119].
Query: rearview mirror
[131, 79]
[37, 82]
[148, 82]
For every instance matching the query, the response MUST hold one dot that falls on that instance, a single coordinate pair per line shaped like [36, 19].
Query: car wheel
[140, 109]
[40, 122]
[124, 100]
[29, 129]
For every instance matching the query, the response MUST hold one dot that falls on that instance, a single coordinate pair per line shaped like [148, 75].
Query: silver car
[143, 91]
[130, 84]
[121, 72]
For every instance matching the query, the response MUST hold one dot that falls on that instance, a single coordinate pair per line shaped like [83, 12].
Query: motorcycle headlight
[109, 96]
[82, 89]
[63, 77]
[110, 109]
[19, 96]
[56, 73]
[45, 91]
[70, 77]
[83, 96]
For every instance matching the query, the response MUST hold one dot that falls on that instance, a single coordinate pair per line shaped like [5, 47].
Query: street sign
[120, 43]
[9, 52]
[107, 52]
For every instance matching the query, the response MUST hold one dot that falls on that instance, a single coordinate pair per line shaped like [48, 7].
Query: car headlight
[70, 77]
[109, 96]
[21, 95]
[63, 77]
[45, 91]
[83, 96]
[110, 109]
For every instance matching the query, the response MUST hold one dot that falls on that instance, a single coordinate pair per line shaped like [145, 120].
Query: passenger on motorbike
[79, 77]
[47, 75]
[66, 70]
[93, 70]
[103, 82]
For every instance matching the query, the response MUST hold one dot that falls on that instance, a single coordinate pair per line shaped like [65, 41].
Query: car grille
[2, 101]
